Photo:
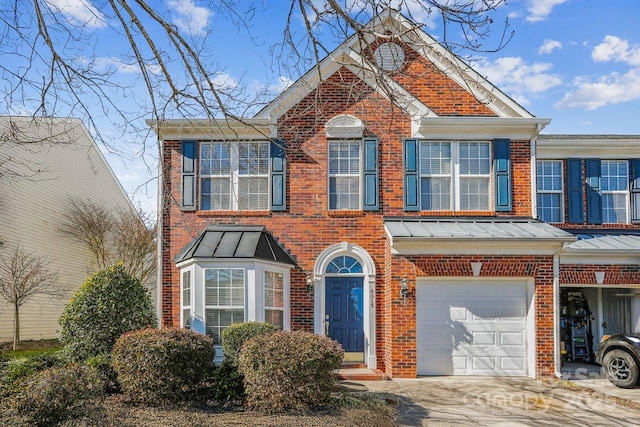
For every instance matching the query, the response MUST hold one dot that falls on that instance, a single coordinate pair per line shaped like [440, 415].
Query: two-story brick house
[388, 199]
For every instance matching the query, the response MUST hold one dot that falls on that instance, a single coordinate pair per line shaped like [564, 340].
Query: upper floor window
[614, 184]
[234, 176]
[353, 174]
[549, 184]
[455, 175]
[344, 175]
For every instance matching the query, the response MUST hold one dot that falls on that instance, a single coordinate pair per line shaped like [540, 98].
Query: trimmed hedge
[108, 304]
[56, 394]
[166, 365]
[234, 337]
[287, 371]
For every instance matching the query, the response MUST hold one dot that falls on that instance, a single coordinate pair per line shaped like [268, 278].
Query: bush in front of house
[289, 370]
[108, 304]
[55, 394]
[104, 368]
[162, 365]
[228, 380]
[234, 337]
[19, 370]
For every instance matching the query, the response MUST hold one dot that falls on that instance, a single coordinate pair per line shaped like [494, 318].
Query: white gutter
[159, 216]
[556, 312]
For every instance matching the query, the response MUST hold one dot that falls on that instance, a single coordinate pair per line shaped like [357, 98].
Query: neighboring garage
[475, 326]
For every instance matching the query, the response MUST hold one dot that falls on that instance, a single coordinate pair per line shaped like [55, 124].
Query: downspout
[556, 311]
[159, 219]
[534, 160]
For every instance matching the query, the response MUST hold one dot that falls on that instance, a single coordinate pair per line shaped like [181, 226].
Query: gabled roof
[236, 242]
[349, 54]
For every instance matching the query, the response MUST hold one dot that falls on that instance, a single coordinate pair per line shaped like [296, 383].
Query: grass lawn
[30, 348]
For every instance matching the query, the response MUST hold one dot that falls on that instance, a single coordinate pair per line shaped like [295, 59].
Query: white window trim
[253, 291]
[234, 177]
[184, 306]
[455, 176]
[360, 174]
[626, 193]
[561, 191]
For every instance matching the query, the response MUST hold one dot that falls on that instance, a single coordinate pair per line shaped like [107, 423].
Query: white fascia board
[213, 129]
[485, 128]
[584, 146]
[431, 246]
[600, 258]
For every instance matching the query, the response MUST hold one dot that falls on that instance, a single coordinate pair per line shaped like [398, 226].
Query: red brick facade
[307, 227]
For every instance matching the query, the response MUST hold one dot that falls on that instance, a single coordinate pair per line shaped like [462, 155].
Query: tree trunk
[16, 326]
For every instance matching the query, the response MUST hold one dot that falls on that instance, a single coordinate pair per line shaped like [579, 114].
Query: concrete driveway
[501, 401]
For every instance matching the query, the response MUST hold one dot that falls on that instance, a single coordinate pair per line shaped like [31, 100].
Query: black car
[619, 356]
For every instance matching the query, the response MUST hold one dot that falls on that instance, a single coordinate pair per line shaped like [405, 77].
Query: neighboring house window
[186, 299]
[274, 298]
[614, 184]
[549, 184]
[224, 299]
[234, 176]
[455, 175]
[344, 175]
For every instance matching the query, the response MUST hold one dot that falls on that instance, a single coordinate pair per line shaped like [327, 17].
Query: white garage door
[466, 328]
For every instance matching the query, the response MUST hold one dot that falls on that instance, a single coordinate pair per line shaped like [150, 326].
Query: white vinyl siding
[549, 186]
[614, 184]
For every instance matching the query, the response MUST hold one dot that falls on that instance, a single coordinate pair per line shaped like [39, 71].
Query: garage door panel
[471, 328]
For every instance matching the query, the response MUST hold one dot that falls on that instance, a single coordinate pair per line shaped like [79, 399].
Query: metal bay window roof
[236, 242]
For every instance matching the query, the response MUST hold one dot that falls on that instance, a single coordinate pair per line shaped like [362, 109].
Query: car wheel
[620, 368]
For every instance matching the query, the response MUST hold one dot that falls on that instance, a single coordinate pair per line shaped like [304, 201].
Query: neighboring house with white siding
[44, 163]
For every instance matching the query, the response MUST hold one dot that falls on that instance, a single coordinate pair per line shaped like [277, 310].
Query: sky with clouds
[574, 61]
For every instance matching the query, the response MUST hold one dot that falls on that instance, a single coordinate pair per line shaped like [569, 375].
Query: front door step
[360, 372]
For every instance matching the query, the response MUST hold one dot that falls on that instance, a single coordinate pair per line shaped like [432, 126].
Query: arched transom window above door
[344, 264]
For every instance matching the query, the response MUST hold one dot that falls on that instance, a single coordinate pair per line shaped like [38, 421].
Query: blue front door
[344, 302]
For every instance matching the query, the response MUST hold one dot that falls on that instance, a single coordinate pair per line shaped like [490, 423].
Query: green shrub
[234, 337]
[289, 370]
[18, 370]
[104, 367]
[55, 394]
[162, 365]
[228, 384]
[108, 304]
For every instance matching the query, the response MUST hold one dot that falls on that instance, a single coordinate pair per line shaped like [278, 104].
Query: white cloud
[79, 12]
[540, 9]
[223, 81]
[517, 78]
[616, 49]
[549, 46]
[190, 17]
[614, 88]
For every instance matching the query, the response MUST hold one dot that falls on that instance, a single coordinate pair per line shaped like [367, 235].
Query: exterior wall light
[404, 289]
[309, 285]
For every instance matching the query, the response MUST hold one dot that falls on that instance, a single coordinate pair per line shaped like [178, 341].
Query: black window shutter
[574, 190]
[634, 187]
[502, 174]
[594, 196]
[411, 176]
[278, 176]
[370, 196]
[188, 150]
